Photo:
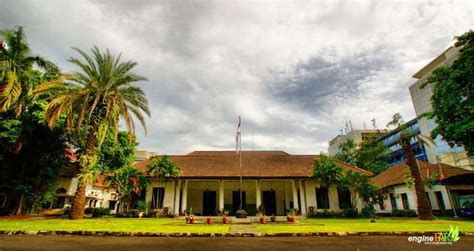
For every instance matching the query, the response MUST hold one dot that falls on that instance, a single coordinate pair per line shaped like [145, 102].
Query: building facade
[273, 181]
[98, 194]
[395, 151]
[209, 181]
[358, 136]
[450, 191]
[421, 97]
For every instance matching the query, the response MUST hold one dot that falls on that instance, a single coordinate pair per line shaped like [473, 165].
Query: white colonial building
[275, 181]
[454, 186]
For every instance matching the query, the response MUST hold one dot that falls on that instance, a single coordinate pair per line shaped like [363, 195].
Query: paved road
[361, 243]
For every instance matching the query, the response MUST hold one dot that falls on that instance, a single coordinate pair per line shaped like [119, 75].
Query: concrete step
[242, 220]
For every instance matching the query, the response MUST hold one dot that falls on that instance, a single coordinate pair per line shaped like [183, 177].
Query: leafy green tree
[326, 170]
[362, 188]
[128, 182]
[116, 153]
[163, 168]
[26, 172]
[372, 156]
[20, 73]
[347, 152]
[92, 101]
[329, 172]
[30, 174]
[424, 207]
[453, 96]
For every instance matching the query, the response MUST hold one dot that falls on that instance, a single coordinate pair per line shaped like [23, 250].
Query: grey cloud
[310, 85]
[207, 62]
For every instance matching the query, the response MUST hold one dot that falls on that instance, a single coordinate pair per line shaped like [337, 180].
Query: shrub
[97, 212]
[142, 206]
[67, 210]
[404, 213]
[350, 212]
[368, 212]
[326, 214]
[125, 215]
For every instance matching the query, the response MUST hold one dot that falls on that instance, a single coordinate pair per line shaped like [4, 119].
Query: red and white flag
[237, 137]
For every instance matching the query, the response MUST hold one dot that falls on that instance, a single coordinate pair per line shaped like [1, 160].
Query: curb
[151, 234]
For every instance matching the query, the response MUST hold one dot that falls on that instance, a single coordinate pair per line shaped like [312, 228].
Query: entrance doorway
[209, 202]
[269, 202]
[236, 201]
[439, 198]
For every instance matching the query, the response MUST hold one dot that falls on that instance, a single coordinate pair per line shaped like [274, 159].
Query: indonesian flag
[237, 136]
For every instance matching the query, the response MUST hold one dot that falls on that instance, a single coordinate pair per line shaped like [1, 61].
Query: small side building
[98, 194]
[453, 187]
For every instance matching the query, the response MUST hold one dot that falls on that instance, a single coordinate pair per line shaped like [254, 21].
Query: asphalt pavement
[360, 243]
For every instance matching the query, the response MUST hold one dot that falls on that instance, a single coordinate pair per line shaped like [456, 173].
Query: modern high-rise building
[358, 136]
[421, 97]
[396, 154]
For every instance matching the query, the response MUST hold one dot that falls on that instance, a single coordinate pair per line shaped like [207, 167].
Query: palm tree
[162, 168]
[20, 72]
[92, 101]
[424, 208]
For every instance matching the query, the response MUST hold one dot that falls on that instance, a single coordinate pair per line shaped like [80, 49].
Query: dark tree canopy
[347, 152]
[453, 103]
[116, 153]
[370, 155]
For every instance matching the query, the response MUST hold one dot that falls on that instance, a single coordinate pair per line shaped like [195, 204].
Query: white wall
[310, 187]
[411, 194]
[168, 200]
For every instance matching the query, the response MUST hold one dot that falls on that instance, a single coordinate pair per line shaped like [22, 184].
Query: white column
[184, 199]
[295, 194]
[302, 198]
[221, 195]
[287, 197]
[177, 198]
[258, 198]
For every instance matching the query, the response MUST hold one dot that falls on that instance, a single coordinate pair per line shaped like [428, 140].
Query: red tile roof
[255, 164]
[395, 174]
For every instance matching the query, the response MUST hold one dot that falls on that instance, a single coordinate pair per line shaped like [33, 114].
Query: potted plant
[261, 215]
[225, 219]
[291, 216]
[192, 219]
[142, 207]
[209, 220]
[273, 218]
[188, 215]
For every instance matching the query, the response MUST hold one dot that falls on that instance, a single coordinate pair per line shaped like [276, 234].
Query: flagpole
[240, 160]
[240, 212]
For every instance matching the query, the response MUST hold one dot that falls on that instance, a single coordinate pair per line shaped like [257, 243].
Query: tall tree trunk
[20, 204]
[79, 200]
[424, 208]
[19, 143]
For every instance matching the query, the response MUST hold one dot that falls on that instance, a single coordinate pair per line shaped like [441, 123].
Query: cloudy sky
[294, 70]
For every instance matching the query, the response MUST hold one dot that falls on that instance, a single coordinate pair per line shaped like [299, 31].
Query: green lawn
[364, 225]
[113, 224]
[178, 226]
